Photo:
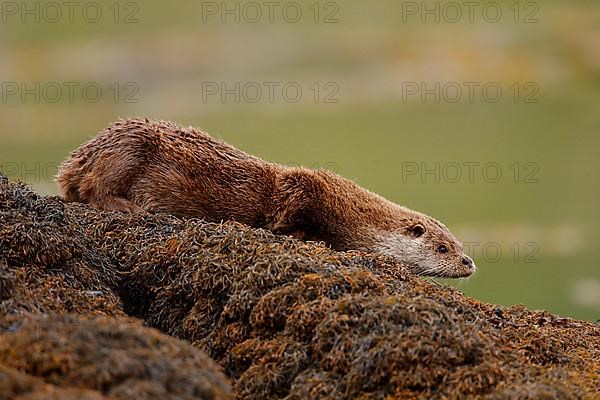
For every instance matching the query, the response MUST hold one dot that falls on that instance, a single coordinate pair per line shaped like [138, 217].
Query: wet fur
[138, 164]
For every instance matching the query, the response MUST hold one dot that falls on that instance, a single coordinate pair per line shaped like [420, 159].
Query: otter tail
[70, 174]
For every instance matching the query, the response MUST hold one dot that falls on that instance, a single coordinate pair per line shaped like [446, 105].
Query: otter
[156, 166]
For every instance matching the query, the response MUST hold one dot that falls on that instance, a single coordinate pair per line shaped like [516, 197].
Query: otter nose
[467, 261]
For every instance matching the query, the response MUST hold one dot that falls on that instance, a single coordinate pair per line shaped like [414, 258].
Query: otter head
[426, 246]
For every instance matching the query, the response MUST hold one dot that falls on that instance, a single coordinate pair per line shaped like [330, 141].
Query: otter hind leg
[117, 204]
[107, 184]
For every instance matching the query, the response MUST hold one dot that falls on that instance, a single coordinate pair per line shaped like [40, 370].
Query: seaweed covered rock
[65, 356]
[45, 263]
[292, 320]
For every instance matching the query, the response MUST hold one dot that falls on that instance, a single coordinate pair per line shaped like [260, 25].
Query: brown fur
[138, 164]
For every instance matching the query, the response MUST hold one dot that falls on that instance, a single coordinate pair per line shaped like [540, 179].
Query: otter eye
[417, 230]
[442, 249]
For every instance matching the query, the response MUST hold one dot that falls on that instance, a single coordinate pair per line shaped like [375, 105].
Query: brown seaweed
[286, 319]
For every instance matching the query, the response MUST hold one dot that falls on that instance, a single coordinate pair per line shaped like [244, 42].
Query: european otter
[138, 164]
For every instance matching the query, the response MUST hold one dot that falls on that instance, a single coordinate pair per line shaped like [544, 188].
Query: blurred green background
[534, 229]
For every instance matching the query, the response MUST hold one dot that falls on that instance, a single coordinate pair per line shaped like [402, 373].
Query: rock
[286, 319]
[66, 356]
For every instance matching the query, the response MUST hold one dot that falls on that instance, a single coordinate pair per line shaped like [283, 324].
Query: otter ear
[417, 230]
